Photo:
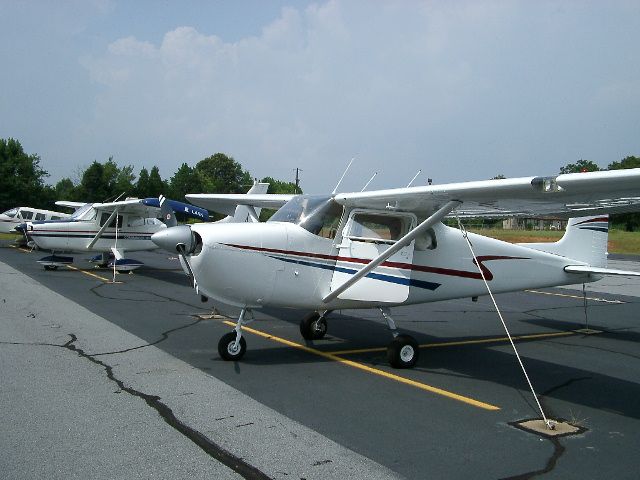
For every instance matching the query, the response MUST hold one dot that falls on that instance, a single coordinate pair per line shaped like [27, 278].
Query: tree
[626, 162]
[66, 190]
[579, 167]
[185, 180]
[279, 186]
[142, 186]
[21, 177]
[156, 185]
[124, 181]
[631, 221]
[222, 174]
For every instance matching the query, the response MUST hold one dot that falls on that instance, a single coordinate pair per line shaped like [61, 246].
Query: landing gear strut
[232, 346]
[403, 351]
[313, 326]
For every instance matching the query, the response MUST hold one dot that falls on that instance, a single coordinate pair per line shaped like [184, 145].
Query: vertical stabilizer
[248, 213]
[584, 240]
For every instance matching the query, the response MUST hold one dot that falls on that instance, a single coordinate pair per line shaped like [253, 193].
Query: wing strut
[102, 229]
[407, 239]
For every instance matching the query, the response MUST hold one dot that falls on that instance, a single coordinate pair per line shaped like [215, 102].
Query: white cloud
[402, 85]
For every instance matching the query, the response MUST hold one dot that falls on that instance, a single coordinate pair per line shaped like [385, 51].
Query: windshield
[11, 213]
[318, 214]
[81, 211]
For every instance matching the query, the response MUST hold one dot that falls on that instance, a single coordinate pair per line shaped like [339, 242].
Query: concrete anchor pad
[560, 428]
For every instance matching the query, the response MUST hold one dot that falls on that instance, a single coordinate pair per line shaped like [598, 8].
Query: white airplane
[93, 227]
[386, 248]
[10, 219]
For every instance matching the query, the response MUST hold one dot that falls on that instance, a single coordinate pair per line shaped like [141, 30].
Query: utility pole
[298, 180]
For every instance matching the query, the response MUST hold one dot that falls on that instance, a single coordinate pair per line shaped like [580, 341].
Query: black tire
[225, 347]
[50, 267]
[313, 327]
[403, 352]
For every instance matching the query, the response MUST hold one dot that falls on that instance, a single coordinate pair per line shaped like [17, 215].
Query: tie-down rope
[549, 424]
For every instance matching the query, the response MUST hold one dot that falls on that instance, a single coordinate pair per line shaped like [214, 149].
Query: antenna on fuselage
[340, 181]
[414, 177]
[367, 184]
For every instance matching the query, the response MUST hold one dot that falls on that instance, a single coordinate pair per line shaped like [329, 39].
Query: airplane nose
[174, 237]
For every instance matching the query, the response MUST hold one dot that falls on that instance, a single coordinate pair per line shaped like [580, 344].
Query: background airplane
[10, 219]
[386, 248]
[105, 228]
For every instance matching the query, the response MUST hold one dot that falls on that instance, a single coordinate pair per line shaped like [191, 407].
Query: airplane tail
[584, 240]
[247, 213]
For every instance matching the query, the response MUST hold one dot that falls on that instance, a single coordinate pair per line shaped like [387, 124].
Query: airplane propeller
[180, 239]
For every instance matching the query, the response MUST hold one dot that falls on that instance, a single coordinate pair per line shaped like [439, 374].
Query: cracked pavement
[82, 398]
[146, 332]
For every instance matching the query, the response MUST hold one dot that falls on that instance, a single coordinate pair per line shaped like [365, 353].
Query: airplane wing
[135, 206]
[227, 203]
[150, 208]
[568, 195]
[74, 205]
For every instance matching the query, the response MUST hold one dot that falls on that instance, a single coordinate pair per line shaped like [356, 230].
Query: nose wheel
[232, 346]
[231, 349]
[313, 326]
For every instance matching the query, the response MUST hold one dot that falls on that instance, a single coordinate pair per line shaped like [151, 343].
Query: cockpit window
[11, 213]
[78, 214]
[318, 214]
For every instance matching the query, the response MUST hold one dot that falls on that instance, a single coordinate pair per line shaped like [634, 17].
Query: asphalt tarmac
[104, 380]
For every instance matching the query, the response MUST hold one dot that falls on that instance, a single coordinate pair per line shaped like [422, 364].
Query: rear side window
[378, 227]
[40, 216]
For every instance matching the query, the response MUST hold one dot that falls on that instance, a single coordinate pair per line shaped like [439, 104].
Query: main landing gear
[402, 352]
[314, 326]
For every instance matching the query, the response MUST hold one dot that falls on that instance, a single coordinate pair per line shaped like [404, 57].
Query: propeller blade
[185, 263]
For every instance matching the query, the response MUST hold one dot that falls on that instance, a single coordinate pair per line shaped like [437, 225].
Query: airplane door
[365, 236]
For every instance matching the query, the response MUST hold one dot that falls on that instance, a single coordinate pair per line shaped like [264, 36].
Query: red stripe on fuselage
[405, 266]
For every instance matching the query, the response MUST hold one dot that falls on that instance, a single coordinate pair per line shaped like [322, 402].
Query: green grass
[8, 236]
[619, 240]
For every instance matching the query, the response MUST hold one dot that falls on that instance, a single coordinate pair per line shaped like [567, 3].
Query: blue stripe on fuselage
[376, 276]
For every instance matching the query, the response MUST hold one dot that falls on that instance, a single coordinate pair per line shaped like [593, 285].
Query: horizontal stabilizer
[600, 271]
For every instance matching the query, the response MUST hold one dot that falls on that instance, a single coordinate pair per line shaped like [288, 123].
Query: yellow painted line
[579, 297]
[91, 274]
[375, 371]
[20, 248]
[462, 342]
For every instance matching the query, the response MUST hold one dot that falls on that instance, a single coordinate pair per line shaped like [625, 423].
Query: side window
[40, 216]
[26, 214]
[373, 226]
[105, 216]
[54, 217]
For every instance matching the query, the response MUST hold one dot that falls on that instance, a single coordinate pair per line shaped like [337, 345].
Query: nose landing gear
[233, 346]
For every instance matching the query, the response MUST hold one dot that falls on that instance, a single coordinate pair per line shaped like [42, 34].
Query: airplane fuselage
[75, 236]
[283, 265]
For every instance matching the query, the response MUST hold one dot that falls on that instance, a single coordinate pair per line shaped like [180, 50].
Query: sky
[461, 90]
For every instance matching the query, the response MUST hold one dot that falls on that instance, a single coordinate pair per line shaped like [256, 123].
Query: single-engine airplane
[104, 228]
[386, 248]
